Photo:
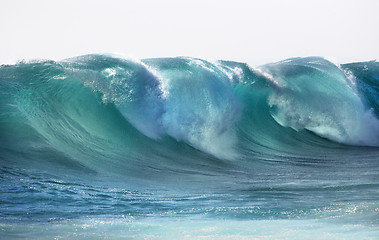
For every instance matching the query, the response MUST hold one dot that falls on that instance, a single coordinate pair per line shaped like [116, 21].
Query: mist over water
[104, 147]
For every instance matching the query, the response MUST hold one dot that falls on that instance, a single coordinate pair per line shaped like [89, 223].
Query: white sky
[256, 32]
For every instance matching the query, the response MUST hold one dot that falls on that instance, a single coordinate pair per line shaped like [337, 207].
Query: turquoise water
[103, 147]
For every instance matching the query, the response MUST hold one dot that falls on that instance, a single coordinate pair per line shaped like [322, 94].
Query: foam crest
[317, 97]
[130, 85]
[200, 108]
[190, 100]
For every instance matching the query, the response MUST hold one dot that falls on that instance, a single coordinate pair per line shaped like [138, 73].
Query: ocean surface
[102, 147]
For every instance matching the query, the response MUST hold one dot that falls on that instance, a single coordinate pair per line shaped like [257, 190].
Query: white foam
[197, 227]
[344, 120]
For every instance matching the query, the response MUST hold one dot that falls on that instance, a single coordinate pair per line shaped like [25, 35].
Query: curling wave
[175, 110]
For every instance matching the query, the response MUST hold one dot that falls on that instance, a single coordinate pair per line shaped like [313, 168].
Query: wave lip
[188, 99]
[315, 94]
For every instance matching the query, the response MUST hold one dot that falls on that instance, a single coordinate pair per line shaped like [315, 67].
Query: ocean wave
[98, 107]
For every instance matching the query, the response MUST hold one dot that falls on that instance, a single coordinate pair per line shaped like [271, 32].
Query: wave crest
[117, 109]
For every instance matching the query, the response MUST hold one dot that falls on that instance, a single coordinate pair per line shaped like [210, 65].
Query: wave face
[293, 139]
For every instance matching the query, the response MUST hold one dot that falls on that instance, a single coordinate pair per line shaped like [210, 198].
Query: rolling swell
[182, 115]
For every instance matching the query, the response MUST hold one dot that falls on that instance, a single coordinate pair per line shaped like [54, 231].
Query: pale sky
[255, 32]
